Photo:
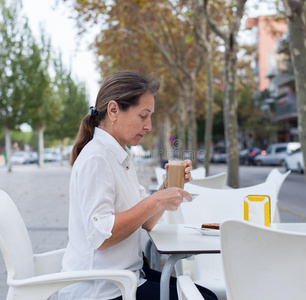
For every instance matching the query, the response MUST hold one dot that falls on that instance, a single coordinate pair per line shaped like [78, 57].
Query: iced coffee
[176, 173]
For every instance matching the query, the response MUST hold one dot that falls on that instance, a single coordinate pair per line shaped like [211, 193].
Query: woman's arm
[130, 220]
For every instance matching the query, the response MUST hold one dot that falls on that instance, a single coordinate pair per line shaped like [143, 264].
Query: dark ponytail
[125, 88]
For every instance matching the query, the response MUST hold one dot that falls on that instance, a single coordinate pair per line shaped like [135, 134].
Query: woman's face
[131, 125]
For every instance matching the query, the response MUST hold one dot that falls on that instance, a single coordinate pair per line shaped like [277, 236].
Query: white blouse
[103, 183]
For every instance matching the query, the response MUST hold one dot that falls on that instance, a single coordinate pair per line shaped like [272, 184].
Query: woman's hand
[171, 198]
[188, 176]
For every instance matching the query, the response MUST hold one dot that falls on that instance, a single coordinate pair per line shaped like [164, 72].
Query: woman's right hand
[171, 198]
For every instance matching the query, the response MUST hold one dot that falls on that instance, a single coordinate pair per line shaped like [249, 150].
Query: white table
[295, 227]
[182, 242]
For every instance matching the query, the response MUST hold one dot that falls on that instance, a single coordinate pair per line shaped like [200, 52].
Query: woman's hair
[125, 88]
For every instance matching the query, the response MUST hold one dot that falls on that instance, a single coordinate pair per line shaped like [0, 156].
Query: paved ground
[41, 194]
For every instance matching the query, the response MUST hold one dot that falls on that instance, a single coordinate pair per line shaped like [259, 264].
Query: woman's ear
[113, 110]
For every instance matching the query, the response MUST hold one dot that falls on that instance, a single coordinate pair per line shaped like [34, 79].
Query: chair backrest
[198, 173]
[276, 176]
[261, 263]
[15, 243]
[160, 174]
[218, 205]
[217, 181]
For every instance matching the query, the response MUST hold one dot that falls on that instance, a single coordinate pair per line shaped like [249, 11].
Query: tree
[42, 106]
[229, 38]
[157, 25]
[14, 34]
[198, 22]
[295, 11]
[72, 104]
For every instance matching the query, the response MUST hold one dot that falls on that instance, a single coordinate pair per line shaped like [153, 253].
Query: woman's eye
[143, 117]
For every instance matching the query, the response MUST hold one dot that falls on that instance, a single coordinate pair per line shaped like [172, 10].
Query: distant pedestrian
[108, 206]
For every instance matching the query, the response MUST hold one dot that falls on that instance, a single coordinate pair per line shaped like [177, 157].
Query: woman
[107, 205]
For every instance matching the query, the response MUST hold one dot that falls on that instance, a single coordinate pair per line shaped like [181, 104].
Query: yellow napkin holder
[257, 209]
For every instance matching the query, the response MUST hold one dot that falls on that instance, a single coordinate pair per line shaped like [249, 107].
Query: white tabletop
[179, 239]
[295, 227]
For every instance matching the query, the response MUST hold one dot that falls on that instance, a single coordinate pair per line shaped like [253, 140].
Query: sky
[63, 33]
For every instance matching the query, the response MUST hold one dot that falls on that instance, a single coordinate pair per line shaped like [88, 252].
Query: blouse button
[95, 219]
[127, 168]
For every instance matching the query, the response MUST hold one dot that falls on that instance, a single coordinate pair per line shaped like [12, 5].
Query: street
[41, 195]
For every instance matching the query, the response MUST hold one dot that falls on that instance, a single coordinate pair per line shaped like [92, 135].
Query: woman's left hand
[188, 176]
[187, 173]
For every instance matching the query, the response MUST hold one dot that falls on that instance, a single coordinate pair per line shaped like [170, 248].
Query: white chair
[37, 277]
[186, 290]
[262, 263]
[218, 205]
[160, 174]
[198, 173]
[278, 177]
[215, 206]
[217, 181]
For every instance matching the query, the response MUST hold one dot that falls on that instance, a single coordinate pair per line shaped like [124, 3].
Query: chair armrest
[48, 262]
[187, 290]
[47, 285]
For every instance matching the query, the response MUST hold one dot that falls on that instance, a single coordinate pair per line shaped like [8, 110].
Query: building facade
[275, 78]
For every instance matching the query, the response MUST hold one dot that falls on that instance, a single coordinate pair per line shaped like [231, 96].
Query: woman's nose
[148, 126]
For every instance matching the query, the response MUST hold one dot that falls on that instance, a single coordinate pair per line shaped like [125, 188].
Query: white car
[295, 161]
[276, 154]
[20, 158]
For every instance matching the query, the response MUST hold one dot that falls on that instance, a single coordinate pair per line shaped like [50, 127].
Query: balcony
[286, 111]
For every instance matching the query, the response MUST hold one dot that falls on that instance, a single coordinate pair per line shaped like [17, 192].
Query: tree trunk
[295, 15]
[164, 151]
[230, 113]
[8, 148]
[62, 151]
[229, 101]
[166, 133]
[209, 113]
[41, 146]
[191, 121]
[179, 144]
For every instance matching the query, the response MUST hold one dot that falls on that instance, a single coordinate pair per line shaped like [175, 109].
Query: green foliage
[40, 100]
[72, 105]
[14, 39]
[27, 92]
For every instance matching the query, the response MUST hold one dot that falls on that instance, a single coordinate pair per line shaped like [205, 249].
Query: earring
[112, 123]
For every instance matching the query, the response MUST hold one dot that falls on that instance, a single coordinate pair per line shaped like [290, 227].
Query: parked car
[32, 158]
[247, 156]
[219, 155]
[20, 158]
[294, 161]
[49, 155]
[276, 154]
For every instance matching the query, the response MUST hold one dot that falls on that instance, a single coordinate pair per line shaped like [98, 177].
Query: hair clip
[93, 111]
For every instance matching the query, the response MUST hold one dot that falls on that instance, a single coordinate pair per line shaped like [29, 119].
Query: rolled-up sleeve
[96, 186]
[102, 229]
